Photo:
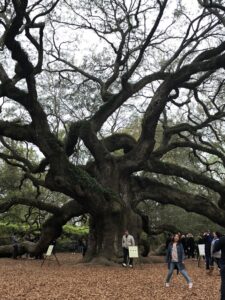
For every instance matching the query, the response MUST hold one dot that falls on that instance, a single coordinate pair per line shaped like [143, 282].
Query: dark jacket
[180, 254]
[184, 243]
[207, 242]
[220, 245]
[191, 243]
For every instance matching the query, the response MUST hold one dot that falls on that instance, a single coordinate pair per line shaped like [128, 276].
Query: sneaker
[167, 284]
[124, 265]
[190, 285]
[131, 266]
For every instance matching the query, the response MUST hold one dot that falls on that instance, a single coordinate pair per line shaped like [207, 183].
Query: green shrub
[9, 228]
[75, 230]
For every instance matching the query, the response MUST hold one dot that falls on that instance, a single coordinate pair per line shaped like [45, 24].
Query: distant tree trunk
[51, 230]
[23, 247]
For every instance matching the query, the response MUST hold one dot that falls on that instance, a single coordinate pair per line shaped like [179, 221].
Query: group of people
[190, 243]
[179, 245]
[211, 257]
[207, 239]
[175, 256]
[191, 249]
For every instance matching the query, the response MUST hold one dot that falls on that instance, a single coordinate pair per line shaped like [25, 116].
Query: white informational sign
[49, 251]
[133, 251]
[201, 249]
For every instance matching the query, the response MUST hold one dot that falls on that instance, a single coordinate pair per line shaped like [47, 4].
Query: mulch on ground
[24, 279]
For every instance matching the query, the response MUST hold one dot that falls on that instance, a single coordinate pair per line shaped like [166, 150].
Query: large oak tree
[160, 61]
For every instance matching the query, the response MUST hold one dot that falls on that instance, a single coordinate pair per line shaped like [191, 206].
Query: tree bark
[106, 231]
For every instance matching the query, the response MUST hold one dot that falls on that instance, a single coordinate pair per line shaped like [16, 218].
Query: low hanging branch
[5, 206]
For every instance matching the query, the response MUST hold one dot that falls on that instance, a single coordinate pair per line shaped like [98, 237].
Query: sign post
[133, 252]
[201, 251]
[49, 253]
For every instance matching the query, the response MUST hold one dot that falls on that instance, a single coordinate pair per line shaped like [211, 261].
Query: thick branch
[119, 141]
[174, 170]
[5, 206]
[16, 131]
[116, 100]
[163, 150]
[145, 188]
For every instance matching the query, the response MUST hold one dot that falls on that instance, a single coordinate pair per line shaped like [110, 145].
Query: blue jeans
[183, 272]
[216, 260]
[207, 261]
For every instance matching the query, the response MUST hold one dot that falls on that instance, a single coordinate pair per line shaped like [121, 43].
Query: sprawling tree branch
[119, 141]
[53, 209]
[145, 188]
[170, 169]
[16, 131]
[188, 144]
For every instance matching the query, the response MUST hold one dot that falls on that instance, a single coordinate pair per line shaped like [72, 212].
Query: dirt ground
[25, 279]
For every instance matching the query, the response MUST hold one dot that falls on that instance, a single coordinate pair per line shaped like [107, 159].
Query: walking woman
[175, 258]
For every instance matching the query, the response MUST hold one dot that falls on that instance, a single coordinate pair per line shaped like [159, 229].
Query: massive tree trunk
[106, 232]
